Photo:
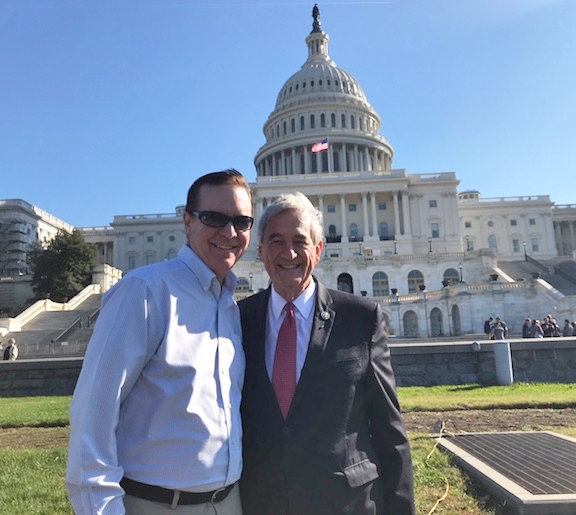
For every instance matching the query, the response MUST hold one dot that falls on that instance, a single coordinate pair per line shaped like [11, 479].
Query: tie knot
[289, 307]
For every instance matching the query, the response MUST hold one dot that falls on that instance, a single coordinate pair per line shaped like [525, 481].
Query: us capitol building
[438, 261]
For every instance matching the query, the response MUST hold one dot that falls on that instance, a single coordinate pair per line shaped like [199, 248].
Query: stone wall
[29, 378]
[415, 364]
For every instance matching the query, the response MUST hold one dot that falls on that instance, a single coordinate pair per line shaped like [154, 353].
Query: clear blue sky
[112, 107]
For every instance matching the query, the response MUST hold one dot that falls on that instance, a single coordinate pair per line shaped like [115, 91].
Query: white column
[572, 239]
[259, 208]
[365, 214]
[406, 214]
[343, 167]
[307, 161]
[293, 171]
[321, 204]
[343, 219]
[397, 231]
[283, 170]
[356, 160]
[375, 231]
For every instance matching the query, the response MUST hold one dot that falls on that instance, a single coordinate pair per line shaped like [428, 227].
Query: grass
[33, 480]
[34, 411]
[516, 396]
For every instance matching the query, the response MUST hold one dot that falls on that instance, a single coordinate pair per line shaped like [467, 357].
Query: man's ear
[318, 251]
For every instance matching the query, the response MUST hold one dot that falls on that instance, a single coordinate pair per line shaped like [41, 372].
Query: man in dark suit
[323, 432]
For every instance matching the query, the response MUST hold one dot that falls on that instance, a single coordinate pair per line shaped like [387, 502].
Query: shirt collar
[304, 303]
[205, 276]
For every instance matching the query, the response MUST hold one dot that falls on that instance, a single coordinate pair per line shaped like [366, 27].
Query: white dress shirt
[304, 312]
[158, 398]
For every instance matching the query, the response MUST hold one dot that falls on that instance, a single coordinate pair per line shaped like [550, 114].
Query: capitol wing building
[438, 261]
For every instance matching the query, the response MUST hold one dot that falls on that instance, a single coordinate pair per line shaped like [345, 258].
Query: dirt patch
[34, 438]
[418, 422]
[491, 420]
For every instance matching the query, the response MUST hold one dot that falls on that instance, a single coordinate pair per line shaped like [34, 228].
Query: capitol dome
[322, 103]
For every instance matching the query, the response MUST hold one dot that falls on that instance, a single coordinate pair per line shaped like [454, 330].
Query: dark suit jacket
[343, 447]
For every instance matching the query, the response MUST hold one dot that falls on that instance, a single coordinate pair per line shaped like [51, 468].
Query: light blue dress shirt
[158, 398]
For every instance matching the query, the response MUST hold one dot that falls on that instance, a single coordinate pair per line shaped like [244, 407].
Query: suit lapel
[324, 316]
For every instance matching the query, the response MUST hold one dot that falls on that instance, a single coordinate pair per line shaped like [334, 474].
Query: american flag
[320, 147]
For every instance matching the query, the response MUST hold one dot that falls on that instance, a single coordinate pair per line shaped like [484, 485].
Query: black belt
[173, 497]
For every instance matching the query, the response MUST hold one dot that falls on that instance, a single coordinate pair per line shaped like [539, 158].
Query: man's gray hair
[304, 209]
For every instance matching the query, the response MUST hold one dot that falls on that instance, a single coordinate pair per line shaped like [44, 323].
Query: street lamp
[423, 289]
[250, 275]
[395, 250]
[430, 244]
[460, 267]
[525, 255]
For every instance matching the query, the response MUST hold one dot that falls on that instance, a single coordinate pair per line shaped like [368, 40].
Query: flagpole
[330, 164]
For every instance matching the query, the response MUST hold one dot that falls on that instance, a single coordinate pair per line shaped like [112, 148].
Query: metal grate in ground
[535, 472]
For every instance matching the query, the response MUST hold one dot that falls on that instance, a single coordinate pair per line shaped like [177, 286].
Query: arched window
[383, 231]
[322, 120]
[293, 125]
[345, 283]
[171, 254]
[332, 230]
[343, 120]
[312, 121]
[410, 323]
[380, 285]
[333, 120]
[352, 122]
[302, 123]
[284, 130]
[451, 275]
[353, 232]
[361, 123]
[492, 242]
[436, 323]
[415, 279]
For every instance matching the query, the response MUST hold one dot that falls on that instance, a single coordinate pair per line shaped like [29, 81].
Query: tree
[64, 268]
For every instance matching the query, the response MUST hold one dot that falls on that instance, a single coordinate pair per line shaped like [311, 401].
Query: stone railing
[42, 306]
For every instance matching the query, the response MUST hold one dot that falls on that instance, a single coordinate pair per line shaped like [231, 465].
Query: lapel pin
[324, 315]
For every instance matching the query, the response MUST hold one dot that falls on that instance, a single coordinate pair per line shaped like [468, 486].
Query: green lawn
[33, 480]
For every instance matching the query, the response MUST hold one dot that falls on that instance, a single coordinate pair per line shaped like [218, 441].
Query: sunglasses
[215, 219]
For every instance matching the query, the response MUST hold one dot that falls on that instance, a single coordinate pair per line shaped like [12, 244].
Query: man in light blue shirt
[155, 422]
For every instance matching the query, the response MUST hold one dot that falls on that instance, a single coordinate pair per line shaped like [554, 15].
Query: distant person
[11, 351]
[498, 331]
[155, 417]
[538, 331]
[567, 329]
[488, 328]
[548, 326]
[503, 325]
[527, 329]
